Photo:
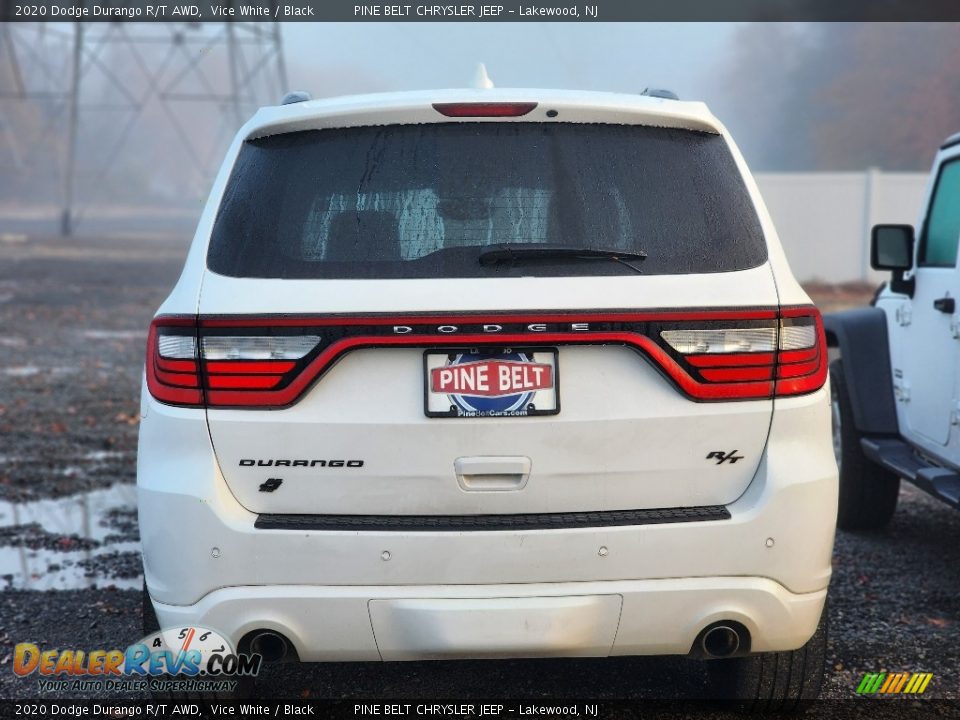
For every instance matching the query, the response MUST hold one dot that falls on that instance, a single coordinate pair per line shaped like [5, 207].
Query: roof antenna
[481, 80]
[660, 93]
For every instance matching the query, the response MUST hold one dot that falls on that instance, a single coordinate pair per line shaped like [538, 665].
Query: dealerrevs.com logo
[187, 659]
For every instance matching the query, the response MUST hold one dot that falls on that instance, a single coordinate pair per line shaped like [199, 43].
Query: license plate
[500, 382]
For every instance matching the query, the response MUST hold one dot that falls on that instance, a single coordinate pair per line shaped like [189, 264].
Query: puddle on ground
[31, 370]
[115, 334]
[79, 541]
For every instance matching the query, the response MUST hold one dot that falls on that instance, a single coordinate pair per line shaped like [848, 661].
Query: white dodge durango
[492, 373]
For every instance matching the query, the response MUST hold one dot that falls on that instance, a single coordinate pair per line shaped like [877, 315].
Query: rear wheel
[775, 681]
[868, 492]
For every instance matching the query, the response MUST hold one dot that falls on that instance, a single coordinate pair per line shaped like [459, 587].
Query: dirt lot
[73, 316]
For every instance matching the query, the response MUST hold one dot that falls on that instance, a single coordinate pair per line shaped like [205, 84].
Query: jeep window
[421, 201]
[938, 245]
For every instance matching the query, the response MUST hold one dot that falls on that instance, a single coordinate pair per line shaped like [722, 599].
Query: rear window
[423, 201]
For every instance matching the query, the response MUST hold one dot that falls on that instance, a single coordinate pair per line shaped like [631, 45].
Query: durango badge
[504, 383]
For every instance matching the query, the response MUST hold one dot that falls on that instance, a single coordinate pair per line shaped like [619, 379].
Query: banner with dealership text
[493, 11]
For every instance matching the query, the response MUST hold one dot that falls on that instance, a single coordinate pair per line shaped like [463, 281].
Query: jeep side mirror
[891, 248]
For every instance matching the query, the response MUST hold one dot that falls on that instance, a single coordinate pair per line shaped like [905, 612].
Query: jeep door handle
[945, 305]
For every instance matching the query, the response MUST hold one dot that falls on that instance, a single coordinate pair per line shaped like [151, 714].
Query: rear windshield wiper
[497, 254]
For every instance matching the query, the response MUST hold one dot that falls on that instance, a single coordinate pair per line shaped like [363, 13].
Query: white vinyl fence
[824, 219]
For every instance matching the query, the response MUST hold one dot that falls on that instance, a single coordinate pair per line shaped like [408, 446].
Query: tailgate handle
[492, 473]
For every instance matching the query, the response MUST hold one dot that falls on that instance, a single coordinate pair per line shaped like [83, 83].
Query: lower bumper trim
[571, 619]
[466, 523]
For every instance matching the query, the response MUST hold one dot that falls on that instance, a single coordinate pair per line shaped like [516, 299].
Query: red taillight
[710, 355]
[173, 374]
[780, 357]
[484, 109]
[188, 368]
[802, 370]
[737, 374]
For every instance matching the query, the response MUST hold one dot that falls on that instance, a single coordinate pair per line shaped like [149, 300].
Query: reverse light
[233, 347]
[178, 347]
[796, 337]
[728, 340]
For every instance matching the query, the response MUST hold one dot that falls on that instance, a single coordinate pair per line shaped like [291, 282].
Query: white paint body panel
[656, 617]
[625, 438]
[490, 627]
[925, 349]
[745, 288]
[680, 577]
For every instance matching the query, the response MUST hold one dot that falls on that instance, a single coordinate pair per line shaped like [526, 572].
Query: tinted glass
[414, 201]
[942, 228]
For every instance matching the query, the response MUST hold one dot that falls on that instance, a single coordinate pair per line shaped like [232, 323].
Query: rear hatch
[365, 353]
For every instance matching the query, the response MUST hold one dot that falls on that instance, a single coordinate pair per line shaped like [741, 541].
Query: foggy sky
[342, 58]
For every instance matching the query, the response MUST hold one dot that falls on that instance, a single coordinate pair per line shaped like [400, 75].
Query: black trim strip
[467, 523]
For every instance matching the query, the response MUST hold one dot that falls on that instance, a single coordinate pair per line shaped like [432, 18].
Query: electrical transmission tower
[112, 111]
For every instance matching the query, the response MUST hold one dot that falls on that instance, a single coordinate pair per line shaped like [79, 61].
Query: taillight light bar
[185, 368]
[172, 367]
[264, 362]
[779, 358]
[802, 364]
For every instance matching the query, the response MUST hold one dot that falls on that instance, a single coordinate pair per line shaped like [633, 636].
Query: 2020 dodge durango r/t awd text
[492, 373]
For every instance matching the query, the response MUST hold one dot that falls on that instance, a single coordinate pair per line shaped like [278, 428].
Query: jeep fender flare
[861, 336]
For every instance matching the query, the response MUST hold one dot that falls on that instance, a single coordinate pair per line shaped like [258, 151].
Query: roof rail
[951, 141]
[295, 96]
[660, 93]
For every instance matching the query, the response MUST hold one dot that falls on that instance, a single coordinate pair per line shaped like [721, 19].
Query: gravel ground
[73, 316]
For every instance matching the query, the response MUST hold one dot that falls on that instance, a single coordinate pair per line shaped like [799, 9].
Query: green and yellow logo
[903, 683]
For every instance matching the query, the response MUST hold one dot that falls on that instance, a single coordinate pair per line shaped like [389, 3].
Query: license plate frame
[543, 400]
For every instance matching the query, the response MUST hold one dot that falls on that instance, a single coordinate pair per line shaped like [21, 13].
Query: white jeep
[492, 373]
[896, 387]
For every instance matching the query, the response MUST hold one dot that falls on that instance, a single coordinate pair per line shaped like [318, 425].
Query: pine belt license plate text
[496, 382]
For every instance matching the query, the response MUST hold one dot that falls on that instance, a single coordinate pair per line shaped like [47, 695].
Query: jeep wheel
[773, 681]
[868, 492]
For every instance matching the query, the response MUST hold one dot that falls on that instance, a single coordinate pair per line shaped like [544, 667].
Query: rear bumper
[637, 617]
[767, 566]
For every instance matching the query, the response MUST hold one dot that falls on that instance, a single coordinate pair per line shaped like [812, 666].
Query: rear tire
[774, 681]
[150, 624]
[868, 492]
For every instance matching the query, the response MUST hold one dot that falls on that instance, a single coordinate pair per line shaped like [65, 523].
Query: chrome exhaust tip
[270, 645]
[720, 641]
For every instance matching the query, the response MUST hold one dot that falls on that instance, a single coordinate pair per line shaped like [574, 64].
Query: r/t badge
[721, 457]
